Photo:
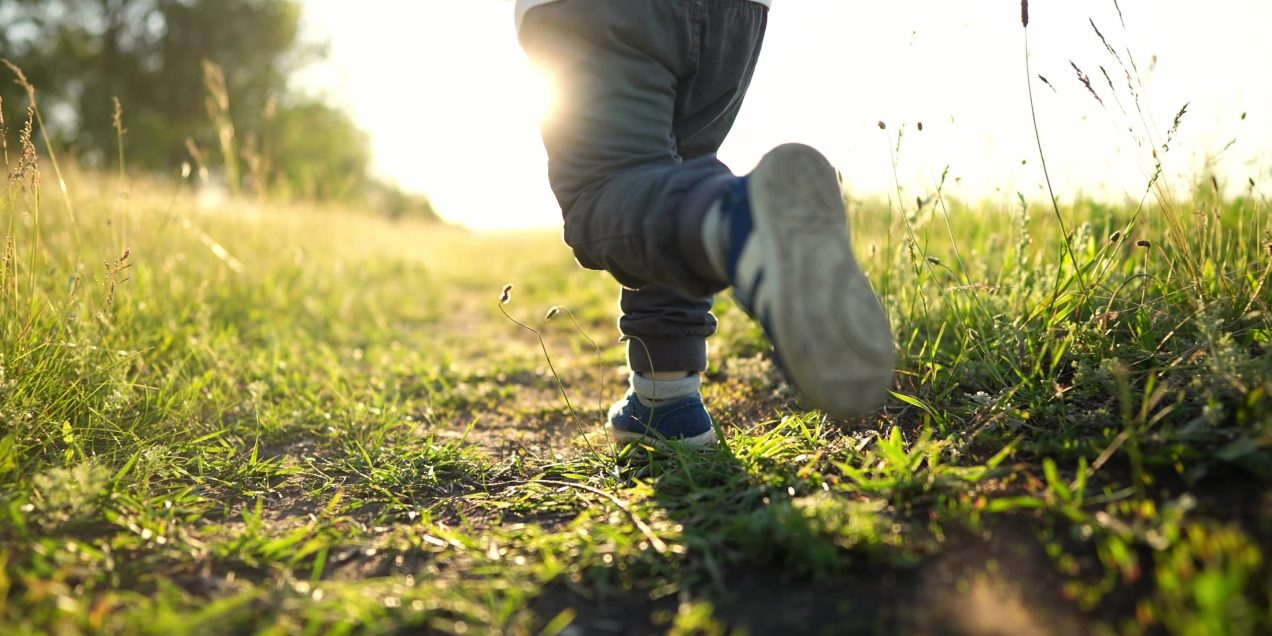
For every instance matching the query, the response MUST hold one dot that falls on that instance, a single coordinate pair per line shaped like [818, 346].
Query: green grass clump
[277, 421]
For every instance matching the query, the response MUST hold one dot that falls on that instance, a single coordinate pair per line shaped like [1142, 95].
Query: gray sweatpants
[647, 92]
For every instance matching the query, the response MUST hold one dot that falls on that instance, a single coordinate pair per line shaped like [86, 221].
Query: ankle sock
[715, 238]
[653, 392]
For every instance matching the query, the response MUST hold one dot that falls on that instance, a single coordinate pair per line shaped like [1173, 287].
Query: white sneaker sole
[623, 438]
[827, 324]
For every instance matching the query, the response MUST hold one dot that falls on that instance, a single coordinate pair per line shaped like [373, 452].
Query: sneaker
[682, 420]
[792, 268]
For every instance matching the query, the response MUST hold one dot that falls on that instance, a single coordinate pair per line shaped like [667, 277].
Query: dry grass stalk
[113, 270]
[1113, 90]
[218, 105]
[1107, 46]
[119, 134]
[1086, 81]
[8, 267]
[22, 80]
[27, 163]
[256, 152]
[28, 146]
[505, 297]
[119, 115]
[4, 135]
[1055, 204]
[34, 113]
[1174, 126]
[257, 165]
[197, 155]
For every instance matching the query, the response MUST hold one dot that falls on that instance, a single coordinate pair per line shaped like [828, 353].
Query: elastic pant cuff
[686, 353]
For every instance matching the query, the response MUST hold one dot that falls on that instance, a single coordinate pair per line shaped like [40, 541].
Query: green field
[268, 415]
[283, 420]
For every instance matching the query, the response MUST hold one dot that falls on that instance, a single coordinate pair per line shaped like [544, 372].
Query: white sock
[653, 392]
[715, 239]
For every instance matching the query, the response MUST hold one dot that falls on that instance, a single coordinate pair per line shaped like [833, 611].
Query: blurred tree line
[200, 81]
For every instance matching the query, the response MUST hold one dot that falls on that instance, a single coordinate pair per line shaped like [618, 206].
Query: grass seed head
[506, 295]
[552, 313]
[1024, 13]
[1115, 237]
[882, 126]
[26, 164]
[934, 260]
[7, 267]
[119, 115]
[22, 80]
[1107, 47]
[1143, 243]
[271, 107]
[1086, 81]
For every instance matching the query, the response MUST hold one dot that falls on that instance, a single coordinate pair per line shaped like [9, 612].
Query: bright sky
[452, 104]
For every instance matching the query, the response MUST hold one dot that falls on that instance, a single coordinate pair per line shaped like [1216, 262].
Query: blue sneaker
[792, 268]
[682, 420]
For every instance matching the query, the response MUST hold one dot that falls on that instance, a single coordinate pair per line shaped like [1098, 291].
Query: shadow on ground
[765, 562]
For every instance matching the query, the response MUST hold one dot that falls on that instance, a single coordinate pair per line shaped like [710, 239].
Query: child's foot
[791, 265]
[680, 417]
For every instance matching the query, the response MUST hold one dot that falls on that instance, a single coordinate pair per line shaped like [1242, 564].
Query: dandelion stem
[1068, 247]
[600, 368]
[561, 385]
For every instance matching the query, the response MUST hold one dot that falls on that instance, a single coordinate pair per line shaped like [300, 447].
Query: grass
[300, 421]
[284, 420]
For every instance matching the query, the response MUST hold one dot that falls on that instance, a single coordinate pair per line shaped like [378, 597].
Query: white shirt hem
[526, 5]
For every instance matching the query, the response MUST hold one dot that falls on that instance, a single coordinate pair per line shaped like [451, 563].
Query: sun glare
[467, 110]
[539, 91]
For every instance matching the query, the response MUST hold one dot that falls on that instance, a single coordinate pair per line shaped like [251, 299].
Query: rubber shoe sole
[830, 331]
[623, 438]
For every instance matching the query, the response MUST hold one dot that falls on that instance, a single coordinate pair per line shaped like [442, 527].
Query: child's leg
[642, 84]
[666, 331]
[648, 90]
[637, 80]
[673, 327]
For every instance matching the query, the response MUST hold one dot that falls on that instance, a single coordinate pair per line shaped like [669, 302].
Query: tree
[81, 53]
[151, 55]
[320, 153]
